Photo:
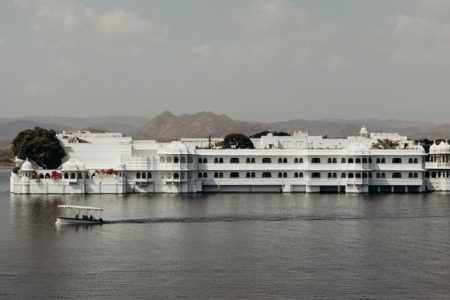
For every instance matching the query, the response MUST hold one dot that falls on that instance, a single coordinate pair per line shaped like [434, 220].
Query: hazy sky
[261, 60]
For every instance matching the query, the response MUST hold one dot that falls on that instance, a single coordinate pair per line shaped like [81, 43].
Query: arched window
[300, 160]
[350, 175]
[183, 160]
[329, 160]
[383, 160]
[176, 176]
[149, 175]
[205, 160]
[41, 176]
[410, 175]
[162, 159]
[221, 160]
[216, 175]
[364, 175]
[378, 161]
[342, 160]
[370, 160]
[358, 160]
[66, 175]
[169, 160]
[216, 160]
[138, 175]
[280, 175]
[205, 175]
[47, 175]
[253, 160]
[343, 175]
[72, 175]
[427, 174]
[364, 160]
[416, 160]
[378, 175]
[358, 175]
[200, 175]
[296, 175]
[383, 175]
[234, 160]
[143, 175]
[300, 175]
[396, 175]
[221, 175]
[176, 160]
[285, 175]
[396, 160]
[296, 160]
[315, 175]
[253, 174]
[247, 160]
[280, 160]
[417, 175]
[234, 175]
[334, 175]
[285, 160]
[80, 175]
[410, 161]
[315, 160]
[247, 175]
[350, 160]
[266, 160]
[200, 160]
[266, 175]
[334, 160]
[330, 175]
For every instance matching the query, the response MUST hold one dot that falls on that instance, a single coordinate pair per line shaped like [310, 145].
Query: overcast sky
[263, 60]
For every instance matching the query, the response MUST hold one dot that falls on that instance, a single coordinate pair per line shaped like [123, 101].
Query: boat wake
[262, 218]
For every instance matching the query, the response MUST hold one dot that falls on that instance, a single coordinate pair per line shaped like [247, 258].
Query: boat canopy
[80, 207]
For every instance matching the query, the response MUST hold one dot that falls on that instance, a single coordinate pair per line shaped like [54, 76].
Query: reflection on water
[225, 246]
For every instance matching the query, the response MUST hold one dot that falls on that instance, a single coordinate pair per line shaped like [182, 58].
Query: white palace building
[112, 163]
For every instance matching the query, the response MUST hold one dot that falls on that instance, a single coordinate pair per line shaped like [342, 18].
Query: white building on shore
[111, 163]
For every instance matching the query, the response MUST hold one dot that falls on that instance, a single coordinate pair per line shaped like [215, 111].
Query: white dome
[443, 147]
[70, 165]
[434, 147]
[363, 131]
[26, 166]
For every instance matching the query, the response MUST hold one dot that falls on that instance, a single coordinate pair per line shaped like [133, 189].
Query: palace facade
[113, 163]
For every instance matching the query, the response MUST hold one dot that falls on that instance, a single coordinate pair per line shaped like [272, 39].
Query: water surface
[228, 246]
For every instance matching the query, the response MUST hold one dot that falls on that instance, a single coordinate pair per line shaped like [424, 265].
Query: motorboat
[79, 215]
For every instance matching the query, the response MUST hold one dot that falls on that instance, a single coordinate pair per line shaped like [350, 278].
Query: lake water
[228, 246]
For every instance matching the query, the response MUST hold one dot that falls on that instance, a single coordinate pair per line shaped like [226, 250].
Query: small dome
[26, 166]
[70, 165]
[443, 147]
[363, 130]
[434, 147]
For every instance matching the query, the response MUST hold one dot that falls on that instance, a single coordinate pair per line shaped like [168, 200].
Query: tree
[385, 144]
[266, 132]
[238, 141]
[39, 145]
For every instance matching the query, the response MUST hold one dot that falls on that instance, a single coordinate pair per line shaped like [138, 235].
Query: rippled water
[228, 246]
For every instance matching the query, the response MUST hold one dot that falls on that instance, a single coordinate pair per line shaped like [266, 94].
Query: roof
[80, 207]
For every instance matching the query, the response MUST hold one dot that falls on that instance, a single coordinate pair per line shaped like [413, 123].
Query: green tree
[238, 141]
[39, 145]
[266, 132]
[385, 144]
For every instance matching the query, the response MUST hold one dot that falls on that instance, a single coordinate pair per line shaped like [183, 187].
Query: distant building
[112, 163]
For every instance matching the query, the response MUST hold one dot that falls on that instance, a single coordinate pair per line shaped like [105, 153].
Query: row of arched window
[143, 175]
[176, 159]
[438, 174]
